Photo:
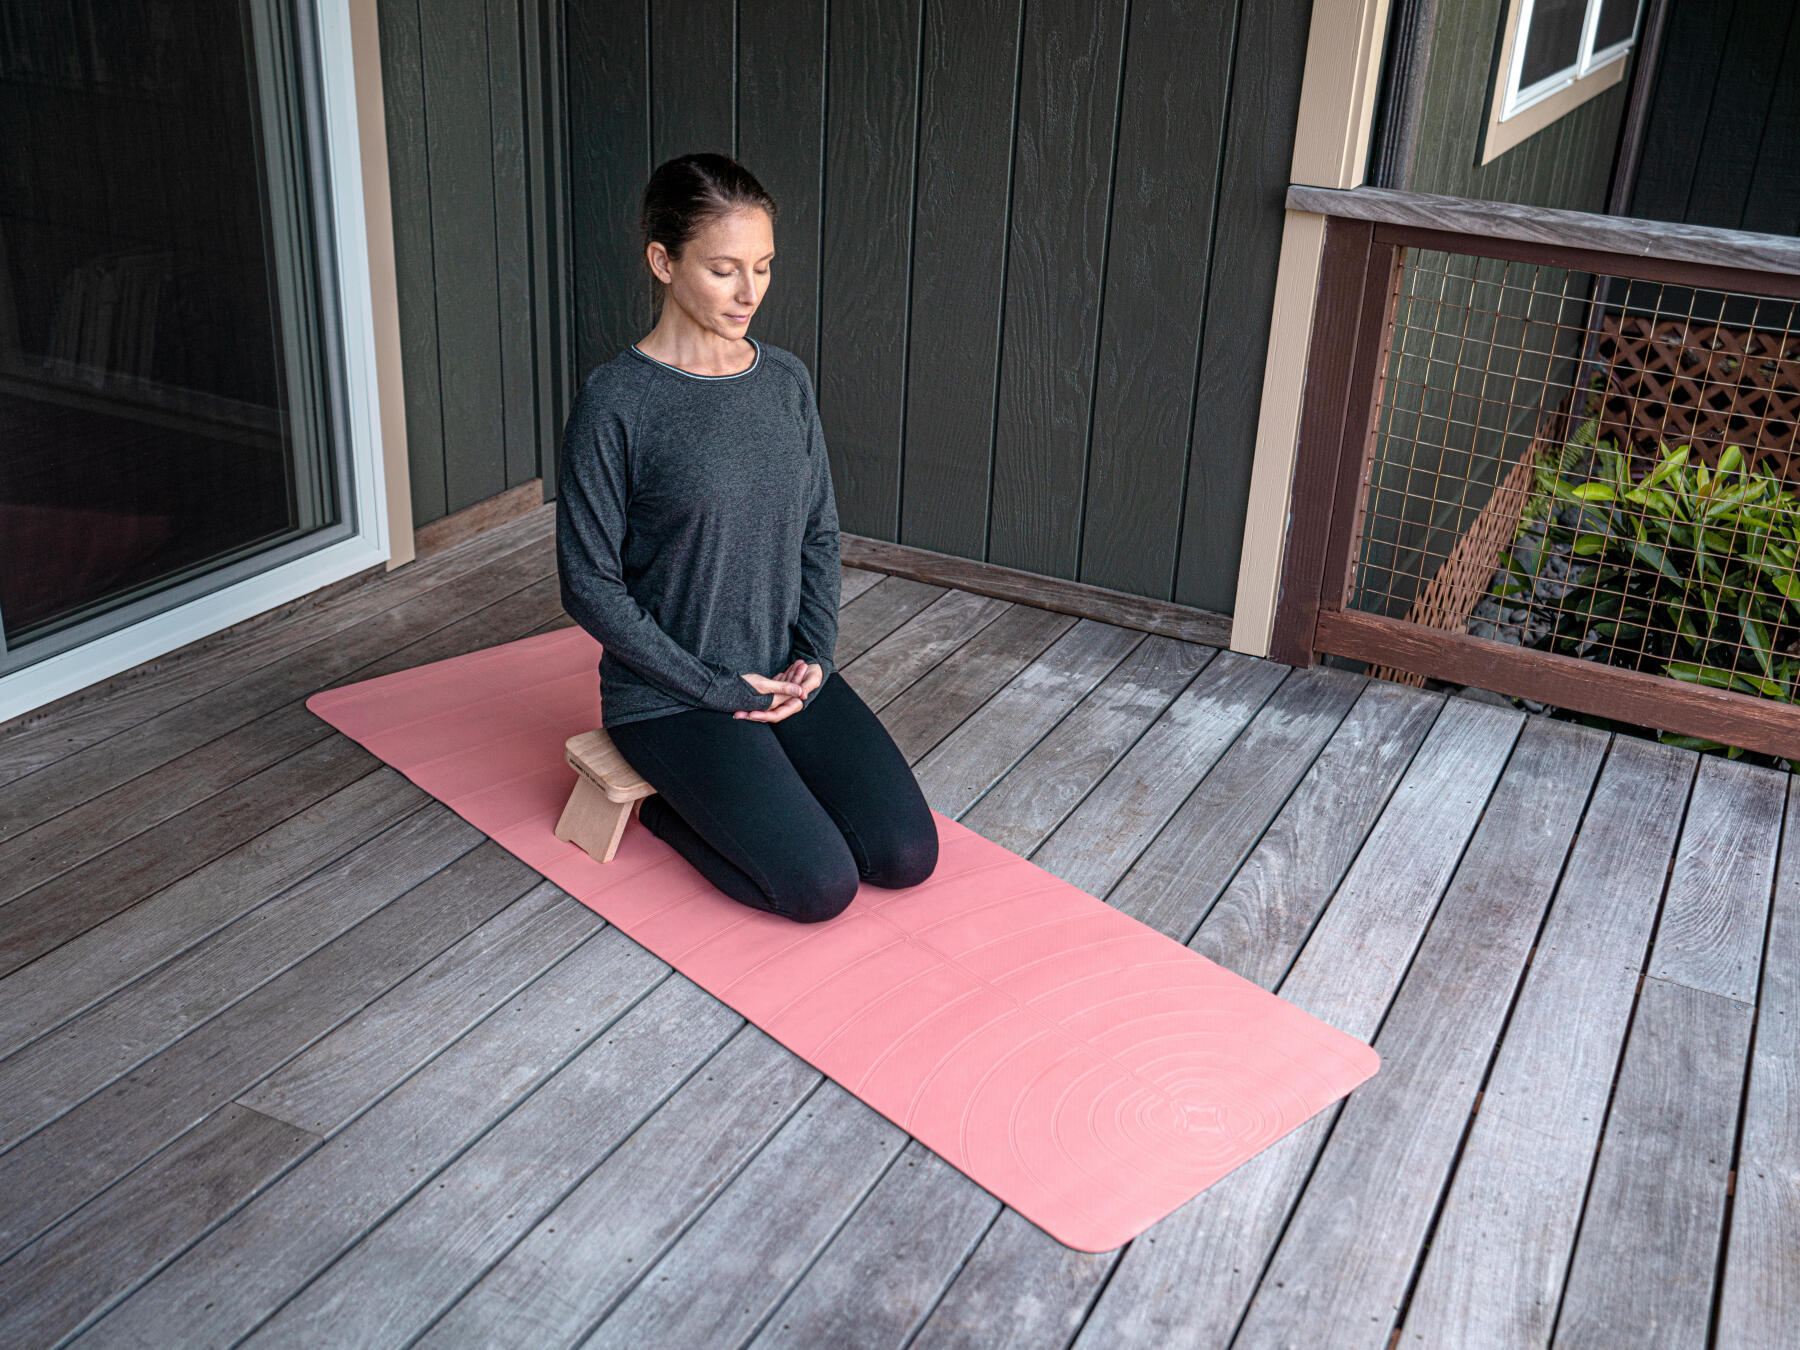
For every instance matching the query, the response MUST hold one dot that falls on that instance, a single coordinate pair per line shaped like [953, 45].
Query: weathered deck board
[1347, 974]
[1259, 925]
[245, 1104]
[335, 1077]
[1651, 1232]
[85, 1054]
[1501, 1248]
[1649, 1241]
[404, 1273]
[86, 1148]
[1174, 884]
[238, 1275]
[1710, 935]
[1040, 790]
[57, 1283]
[878, 611]
[41, 852]
[1020, 1289]
[583, 1255]
[854, 581]
[181, 735]
[873, 1284]
[1760, 1303]
[1116, 821]
[75, 974]
[68, 903]
[899, 660]
[1395, 1141]
[713, 1287]
[973, 757]
[105, 825]
[966, 679]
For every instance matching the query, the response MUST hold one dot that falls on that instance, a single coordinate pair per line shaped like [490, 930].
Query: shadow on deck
[289, 1052]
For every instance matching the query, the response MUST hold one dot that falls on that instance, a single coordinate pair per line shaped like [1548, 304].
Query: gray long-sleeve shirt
[696, 531]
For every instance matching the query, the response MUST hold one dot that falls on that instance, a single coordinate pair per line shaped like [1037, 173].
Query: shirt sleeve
[813, 636]
[592, 492]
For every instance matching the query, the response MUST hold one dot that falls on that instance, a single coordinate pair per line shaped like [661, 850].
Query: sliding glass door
[171, 419]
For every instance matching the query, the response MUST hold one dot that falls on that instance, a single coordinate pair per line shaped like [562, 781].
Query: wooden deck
[290, 1054]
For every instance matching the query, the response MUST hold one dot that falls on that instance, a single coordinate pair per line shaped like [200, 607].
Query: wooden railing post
[1353, 276]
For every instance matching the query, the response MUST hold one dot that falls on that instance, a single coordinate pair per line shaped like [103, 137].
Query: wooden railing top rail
[1623, 235]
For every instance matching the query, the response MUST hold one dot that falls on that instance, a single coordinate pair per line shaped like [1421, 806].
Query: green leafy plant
[1686, 571]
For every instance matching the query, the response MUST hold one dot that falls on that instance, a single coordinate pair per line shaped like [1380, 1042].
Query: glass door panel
[166, 416]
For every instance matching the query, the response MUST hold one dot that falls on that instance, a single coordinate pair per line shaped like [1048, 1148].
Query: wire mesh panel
[1593, 466]
[1480, 350]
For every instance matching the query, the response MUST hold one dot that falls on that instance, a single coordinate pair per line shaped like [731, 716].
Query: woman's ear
[658, 258]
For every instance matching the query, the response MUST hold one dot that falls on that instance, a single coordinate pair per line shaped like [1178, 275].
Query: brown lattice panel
[1450, 596]
[1703, 384]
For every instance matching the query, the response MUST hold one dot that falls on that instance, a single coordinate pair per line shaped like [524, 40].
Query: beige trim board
[384, 293]
[1277, 433]
[1338, 91]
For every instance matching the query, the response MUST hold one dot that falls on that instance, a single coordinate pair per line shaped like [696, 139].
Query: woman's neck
[697, 350]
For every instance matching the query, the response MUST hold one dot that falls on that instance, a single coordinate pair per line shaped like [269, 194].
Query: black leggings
[785, 816]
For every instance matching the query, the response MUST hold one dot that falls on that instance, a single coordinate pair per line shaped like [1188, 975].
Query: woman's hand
[792, 687]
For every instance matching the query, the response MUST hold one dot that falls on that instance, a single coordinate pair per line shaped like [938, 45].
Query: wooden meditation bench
[607, 791]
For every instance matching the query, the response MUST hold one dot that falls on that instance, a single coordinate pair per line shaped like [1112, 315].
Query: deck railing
[1554, 455]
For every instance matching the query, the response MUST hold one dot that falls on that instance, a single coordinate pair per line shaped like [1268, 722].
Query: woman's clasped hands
[791, 688]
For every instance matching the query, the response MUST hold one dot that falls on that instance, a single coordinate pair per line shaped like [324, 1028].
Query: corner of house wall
[1342, 77]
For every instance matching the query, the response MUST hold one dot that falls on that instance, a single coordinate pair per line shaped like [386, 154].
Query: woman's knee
[817, 888]
[905, 856]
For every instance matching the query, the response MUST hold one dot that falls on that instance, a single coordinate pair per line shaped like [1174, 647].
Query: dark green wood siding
[1722, 144]
[1567, 164]
[1027, 250]
[473, 164]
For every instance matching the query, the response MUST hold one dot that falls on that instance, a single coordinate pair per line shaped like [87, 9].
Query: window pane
[1617, 19]
[1554, 41]
[162, 410]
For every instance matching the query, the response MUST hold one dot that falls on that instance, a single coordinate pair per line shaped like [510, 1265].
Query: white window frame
[1517, 113]
[45, 681]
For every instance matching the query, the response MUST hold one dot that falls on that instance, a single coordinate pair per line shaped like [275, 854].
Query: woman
[697, 539]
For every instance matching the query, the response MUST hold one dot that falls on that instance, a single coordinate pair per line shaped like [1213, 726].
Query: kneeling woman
[697, 540]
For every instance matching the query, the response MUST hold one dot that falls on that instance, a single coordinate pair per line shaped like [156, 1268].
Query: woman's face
[723, 273]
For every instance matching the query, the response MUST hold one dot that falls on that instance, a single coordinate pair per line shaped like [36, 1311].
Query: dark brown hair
[685, 195]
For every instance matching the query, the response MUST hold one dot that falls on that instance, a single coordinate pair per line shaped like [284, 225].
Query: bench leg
[592, 821]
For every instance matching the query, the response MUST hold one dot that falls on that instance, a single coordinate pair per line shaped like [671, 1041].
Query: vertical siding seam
[487, 55]
[650, 103]
[912, 257]
[1112, 193]
[533, 256]
[824, 167]
[1012, 173]
[737, 61]
[1762, 134]
[437, 340]
[1712, 102]
[1212, 246]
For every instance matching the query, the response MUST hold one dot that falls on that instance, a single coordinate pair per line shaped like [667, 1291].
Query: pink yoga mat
[1082, 1067]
